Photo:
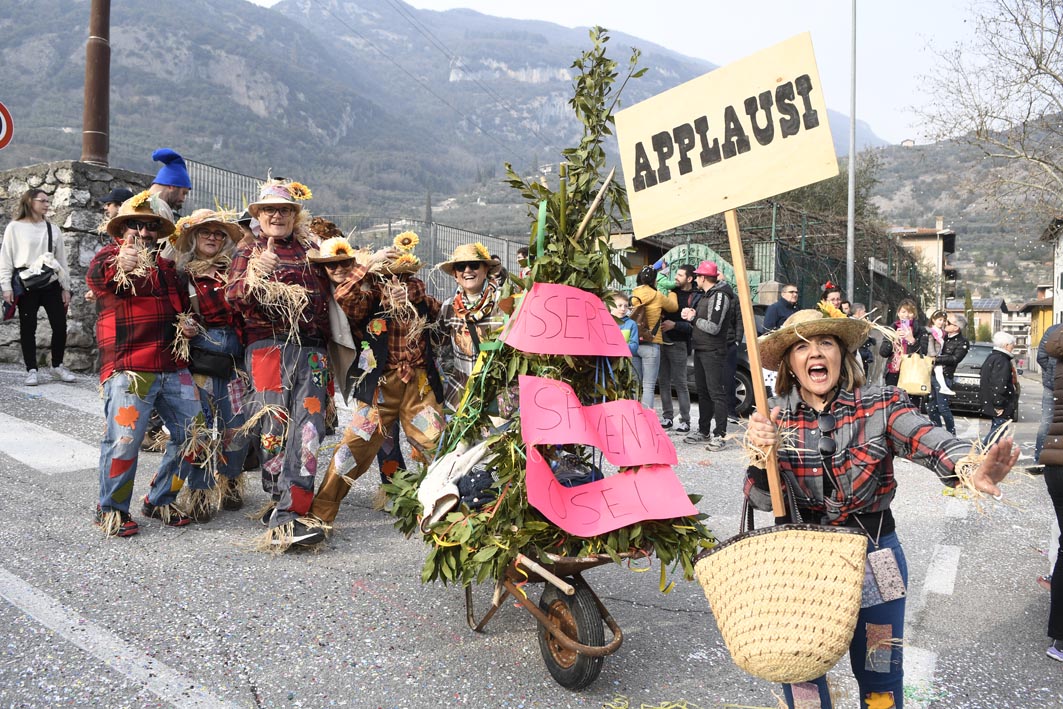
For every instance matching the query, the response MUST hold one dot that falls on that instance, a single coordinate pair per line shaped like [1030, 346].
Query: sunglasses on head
[462, 266]
[137, 225]
[827, 423]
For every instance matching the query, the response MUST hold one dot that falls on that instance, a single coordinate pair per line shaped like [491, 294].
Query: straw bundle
[285, 302]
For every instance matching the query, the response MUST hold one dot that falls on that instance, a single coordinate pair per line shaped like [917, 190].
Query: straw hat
[141, 206]
[469, 252]
[186, 226]
[280, 192]
[805, 324]
[332, 250]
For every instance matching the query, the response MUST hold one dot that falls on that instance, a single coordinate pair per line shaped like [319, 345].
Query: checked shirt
[874, 425]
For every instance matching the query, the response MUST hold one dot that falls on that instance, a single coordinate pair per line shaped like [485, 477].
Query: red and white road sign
[7, 127]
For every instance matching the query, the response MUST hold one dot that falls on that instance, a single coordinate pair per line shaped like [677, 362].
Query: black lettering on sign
[662, 145]
[762, 111]
[576, 503]
[544, 402]
[735, 140]
[644, 174]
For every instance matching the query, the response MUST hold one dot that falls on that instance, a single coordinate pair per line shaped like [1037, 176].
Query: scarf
[482, 307]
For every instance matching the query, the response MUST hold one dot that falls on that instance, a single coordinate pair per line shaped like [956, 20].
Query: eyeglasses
[137, 225]
[212, 235]
[329, 265]
[827, 423]
[270, 211]
[462, 266]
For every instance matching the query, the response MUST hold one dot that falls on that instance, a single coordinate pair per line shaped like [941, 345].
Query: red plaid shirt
[873, 425]
[214, 310]
[404, 353]
[135, 328]
[259, 322]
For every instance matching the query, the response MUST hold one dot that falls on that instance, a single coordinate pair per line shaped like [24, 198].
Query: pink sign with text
[563, 320]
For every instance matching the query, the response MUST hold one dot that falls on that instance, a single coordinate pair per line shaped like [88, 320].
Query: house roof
[977, 304]
[1039, 303]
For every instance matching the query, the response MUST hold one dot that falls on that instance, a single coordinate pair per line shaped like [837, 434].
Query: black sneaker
[267, 514]
[127, 526]
[303, 535]
[167, 514]
[733, 419]
[666, 423]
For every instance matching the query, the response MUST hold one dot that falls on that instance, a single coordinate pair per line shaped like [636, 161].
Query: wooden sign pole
[756, 373]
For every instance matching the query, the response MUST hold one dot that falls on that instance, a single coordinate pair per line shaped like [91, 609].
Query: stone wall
[75, 188]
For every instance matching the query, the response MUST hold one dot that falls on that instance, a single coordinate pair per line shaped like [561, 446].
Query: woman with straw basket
[204, 241]
[835, 439]
[282, 300]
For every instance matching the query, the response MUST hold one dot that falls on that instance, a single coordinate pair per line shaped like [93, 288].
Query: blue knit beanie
[173, 170]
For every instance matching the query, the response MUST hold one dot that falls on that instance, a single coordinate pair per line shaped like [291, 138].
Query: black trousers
[1054, 480]
[709, 372]
[29, 303]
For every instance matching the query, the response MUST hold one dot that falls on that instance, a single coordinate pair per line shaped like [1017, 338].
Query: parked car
[968, 380]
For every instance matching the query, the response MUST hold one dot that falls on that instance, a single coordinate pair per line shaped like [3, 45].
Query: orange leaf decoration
[312, 404]
[127, 416]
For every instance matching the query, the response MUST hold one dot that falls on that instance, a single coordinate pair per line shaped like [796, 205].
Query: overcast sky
[894, 39]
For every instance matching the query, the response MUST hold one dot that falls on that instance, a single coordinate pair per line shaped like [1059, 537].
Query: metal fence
[437, 243]
[214, 187]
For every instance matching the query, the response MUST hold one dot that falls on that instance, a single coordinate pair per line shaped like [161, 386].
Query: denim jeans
[673, 372]
[223, 406]
[650, 355]
[937, 406]
[881, 669]
[996, 423]
[129, 398]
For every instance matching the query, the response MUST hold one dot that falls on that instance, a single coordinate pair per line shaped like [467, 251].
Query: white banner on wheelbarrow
[628, 434]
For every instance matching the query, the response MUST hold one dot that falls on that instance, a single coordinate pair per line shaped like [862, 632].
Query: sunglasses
[329, 265]
[827, 446]
[463, 266]
[137, 225]
[283, 211]
[212, 235]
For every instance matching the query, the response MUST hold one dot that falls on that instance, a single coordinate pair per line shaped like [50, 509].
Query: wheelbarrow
[569, 614]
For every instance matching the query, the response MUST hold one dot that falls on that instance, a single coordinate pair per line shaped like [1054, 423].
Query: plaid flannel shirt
[459, 352]
[258, 321]
[873, 425]
[135, 327]
[359, 301]
[214, 310]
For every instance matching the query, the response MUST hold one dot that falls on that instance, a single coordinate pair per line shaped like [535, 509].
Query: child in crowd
[619, 309]
[934, 343]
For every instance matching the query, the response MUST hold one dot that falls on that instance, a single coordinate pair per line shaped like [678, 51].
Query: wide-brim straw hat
[280, 192]
[804, 325]
[332, 251]
[186, 227]
[405, 263]
[141, 206]
[469, 252]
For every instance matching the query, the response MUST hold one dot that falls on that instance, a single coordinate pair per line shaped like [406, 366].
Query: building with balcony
[934, 249]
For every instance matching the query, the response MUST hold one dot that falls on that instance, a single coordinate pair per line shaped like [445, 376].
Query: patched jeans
[288, 392]
[875, 653]
[412, 404]
[129, 398]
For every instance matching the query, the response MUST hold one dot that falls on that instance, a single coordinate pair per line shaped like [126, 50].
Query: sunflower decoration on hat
[406, 262]
[826, 308]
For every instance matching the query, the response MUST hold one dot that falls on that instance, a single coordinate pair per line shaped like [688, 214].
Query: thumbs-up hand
[267, 261]
[127, 256]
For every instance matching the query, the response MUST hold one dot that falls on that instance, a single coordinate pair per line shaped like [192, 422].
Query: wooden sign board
[746, 131]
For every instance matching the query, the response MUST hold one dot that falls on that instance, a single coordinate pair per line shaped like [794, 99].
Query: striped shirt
[874, 425]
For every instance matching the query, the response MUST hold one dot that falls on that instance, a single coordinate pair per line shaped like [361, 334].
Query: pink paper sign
[626, 431]
[562, 320]
[629, 497]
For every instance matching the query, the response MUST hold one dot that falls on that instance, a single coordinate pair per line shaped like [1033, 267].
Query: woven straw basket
[786, 598]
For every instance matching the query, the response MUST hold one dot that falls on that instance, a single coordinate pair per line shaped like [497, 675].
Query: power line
[423, 85]
[453, 57]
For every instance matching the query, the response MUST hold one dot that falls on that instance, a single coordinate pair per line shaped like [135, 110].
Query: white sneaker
[63, 373]
[31, 378]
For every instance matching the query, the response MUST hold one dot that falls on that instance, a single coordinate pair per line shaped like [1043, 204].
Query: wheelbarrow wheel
[578, 617]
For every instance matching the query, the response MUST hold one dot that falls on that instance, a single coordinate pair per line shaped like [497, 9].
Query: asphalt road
[195, 618]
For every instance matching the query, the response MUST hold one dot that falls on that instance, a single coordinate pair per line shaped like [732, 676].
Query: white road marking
[43, 449]
[75, 397]
[941, 574]
[166, 683]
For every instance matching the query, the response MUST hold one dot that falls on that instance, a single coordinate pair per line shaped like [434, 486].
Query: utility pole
[850, 234]
[95, 139]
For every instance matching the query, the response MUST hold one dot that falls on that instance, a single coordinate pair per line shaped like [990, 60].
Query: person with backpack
[648, 303]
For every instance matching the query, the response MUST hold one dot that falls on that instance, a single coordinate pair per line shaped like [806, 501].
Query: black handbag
[39, 281]
[211, 364]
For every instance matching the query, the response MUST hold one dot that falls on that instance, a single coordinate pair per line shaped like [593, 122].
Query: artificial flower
[140, 200]
[299, 191]
[406, 241]
[829, 310]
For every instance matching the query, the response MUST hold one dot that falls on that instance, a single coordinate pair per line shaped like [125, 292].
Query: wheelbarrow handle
[538, 568]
